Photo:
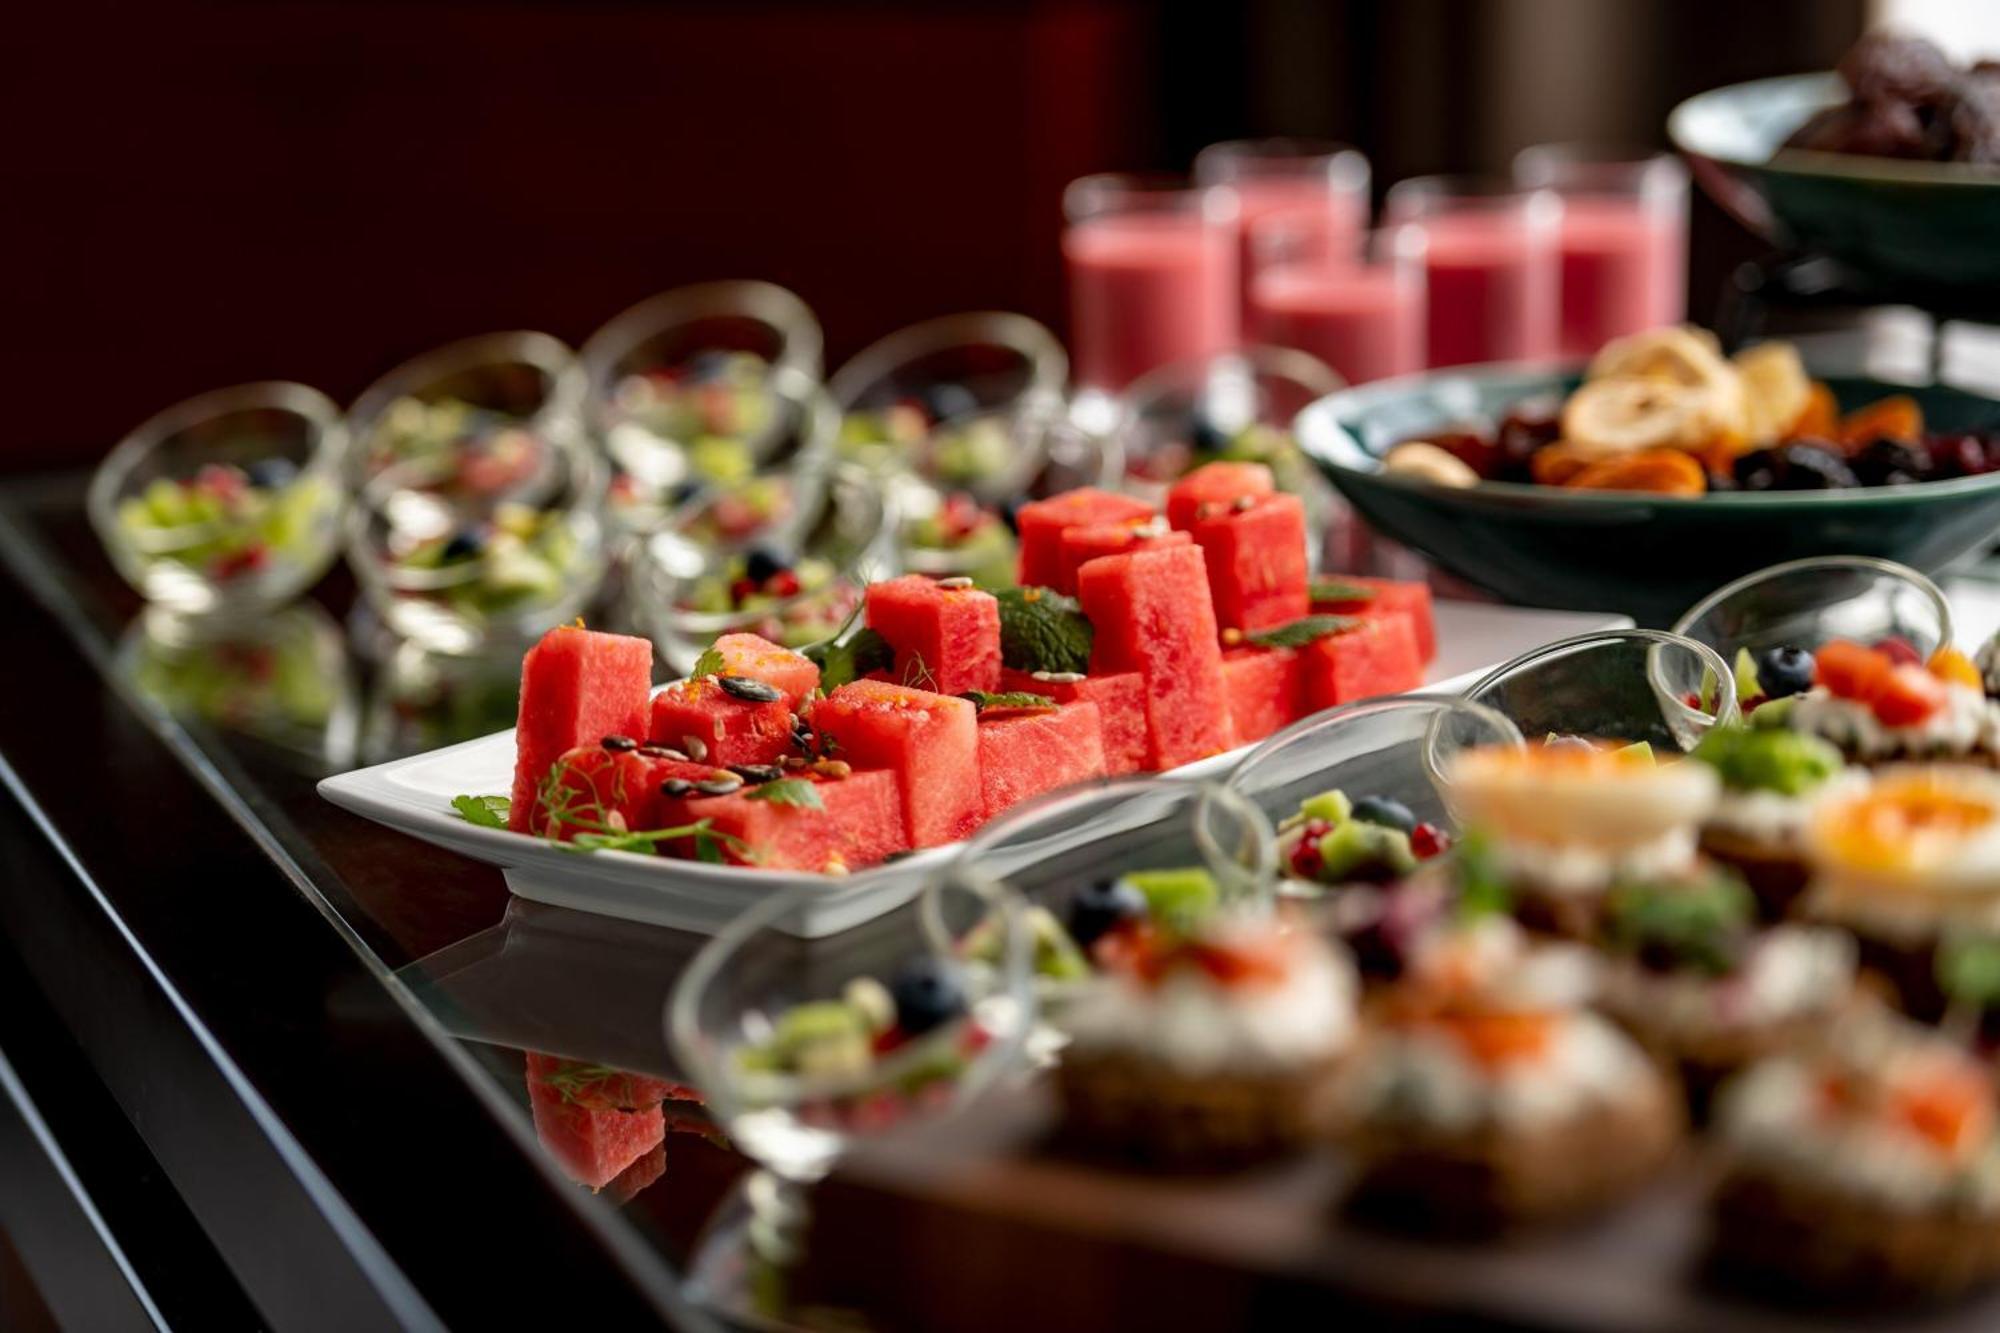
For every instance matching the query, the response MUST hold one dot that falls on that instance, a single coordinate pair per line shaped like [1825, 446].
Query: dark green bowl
[1647, 556]
[1928, 225]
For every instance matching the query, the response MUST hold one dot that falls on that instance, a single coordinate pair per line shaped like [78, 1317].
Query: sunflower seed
[955, 582]
[1057, 677]
[720, 785]
[833, 768]
[696, 747]
[616, 744]
[1243, 502]
[661, 752]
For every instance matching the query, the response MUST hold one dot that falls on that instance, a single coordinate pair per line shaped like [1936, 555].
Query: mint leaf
[483, 811]
[1300, 632]
[1335, 590]
[710, 663]
[798, 792]
[1968, 970]
[1042, 630]
[841, 660]
[1010, 701]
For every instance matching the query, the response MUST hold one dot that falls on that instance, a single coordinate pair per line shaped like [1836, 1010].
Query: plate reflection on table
[282, 679]
[424, 700]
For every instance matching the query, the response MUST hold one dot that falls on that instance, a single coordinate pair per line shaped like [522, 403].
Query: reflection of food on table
[605, 1127]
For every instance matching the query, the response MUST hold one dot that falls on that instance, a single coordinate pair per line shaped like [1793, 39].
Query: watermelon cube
[1377, 656]
[1264, 690]
[1023, 754]
[929, 741]
[1042, 523]
[946, 639]
[755, 658]
[598, 789]
[1151, 613]
[1121, 710]
[577, 687]
[1387, 597]
[1099, 539]
[642, 1174]
[711, 725]
[592, 1144]
[1256, 552]
[1212, 488]
[859, 821]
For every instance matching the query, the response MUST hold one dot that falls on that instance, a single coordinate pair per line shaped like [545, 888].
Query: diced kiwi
[1332, 806]
[1178, 898]
[1637, 752]
[1746, 676]
[1358, 850]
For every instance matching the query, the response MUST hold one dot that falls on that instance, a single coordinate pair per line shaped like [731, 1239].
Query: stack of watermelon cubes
[1139, 640]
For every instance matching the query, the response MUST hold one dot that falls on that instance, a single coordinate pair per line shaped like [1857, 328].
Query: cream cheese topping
[1968, 722]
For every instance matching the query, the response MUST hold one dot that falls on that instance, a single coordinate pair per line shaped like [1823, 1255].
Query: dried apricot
[1554, 464]
[1896, 417]
[1660, 471]
[1821, 418]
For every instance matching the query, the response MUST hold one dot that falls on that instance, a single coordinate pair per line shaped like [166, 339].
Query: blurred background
[218, 192]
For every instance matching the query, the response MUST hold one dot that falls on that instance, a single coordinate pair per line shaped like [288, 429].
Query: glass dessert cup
[1399, 748]
[707, 383]
[457, 575]
[793, 1096]
[482, 419]
[1806, 603]
[795, 582]
[1051, 851]
[1628, 685]
[227, 504]
[1237, 407]
[282, 678]
[1152, 267]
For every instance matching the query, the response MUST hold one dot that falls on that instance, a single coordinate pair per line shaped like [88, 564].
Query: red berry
[1427, 840]
[1899, 650]
[784, 583]
[246, 561]
[741, 591]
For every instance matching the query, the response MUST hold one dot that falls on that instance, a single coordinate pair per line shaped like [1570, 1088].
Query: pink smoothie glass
[1152, 275]
[1490, 267]
[1362, 313]
[1624, 239]
[1311, 178]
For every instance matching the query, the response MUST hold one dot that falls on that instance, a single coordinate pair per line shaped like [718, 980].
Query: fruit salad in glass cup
[226, 504]
[801, 1046]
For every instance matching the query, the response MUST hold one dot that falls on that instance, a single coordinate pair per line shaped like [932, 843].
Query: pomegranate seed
[784, 583]
[1427, 840]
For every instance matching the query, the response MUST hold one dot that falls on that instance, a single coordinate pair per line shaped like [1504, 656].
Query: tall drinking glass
[1491, 267]
[1152, 275]
[1362, 313]
[1624, 239]
[1325, 183]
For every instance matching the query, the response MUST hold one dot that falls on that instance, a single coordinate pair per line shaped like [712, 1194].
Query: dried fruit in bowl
[1776, 390]
[1556, 464]
[1894, 418]
[1820, 418]
[1660, 471]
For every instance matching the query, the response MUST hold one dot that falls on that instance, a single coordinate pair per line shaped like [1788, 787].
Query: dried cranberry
[1474, 448]
[1528, 426]
[1959, 455]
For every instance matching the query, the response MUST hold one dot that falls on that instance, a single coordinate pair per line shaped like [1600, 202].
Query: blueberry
[928, 993]
[269, 474]
[464, 545]
[1102, 907]
[948, 401]
[685, 491]
[1389, 814]
[707, 366]
[1783, 671]
[760, 565]
[1207, 437]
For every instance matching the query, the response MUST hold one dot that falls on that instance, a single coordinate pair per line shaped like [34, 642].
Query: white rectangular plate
[414, 795]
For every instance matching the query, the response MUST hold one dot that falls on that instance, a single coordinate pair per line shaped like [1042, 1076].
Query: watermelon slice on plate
[753, 657]
[1151, 613]
[1081, 545]
[605, 790]
[1213, 487]
[1378, 655]
[946, 639]
[1257, 563]
[1025, 753]
[577, 687]
[1043, 522]
[1121, 710]
[708, 723]
[1264, 690]
[811, 822]
[929, 741]
[1386, 597]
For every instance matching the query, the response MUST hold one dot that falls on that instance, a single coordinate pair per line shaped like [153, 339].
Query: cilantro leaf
[710, 663]
[798, 792]
[1010, 701]
[1300, 632]
[1337, 590]
[1042, 630]
[483, 811]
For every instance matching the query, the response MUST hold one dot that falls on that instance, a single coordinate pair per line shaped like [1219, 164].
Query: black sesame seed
[757, 772]
[752, 691]
[616, 744]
